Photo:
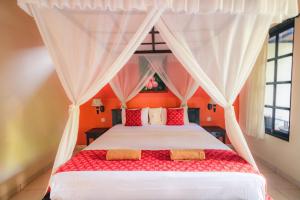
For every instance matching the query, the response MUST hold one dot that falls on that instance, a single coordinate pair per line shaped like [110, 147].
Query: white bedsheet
[157, 137]
[157, 185]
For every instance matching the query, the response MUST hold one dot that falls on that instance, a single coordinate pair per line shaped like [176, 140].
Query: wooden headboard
[116, 116]
[194, 116]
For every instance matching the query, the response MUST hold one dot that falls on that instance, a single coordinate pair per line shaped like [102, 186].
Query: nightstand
[94, 133]
[216, 131]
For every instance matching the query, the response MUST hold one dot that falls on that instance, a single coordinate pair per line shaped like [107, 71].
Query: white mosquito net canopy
[217, 42]
[131, 79]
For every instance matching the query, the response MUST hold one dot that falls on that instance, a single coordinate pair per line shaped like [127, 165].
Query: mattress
[157, 184]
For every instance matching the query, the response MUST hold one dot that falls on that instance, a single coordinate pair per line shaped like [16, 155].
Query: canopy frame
[153, 44]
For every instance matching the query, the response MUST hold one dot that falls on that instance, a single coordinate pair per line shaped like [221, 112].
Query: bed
[157, 184]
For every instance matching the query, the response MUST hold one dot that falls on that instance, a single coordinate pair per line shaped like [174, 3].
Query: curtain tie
[72, 107]
[184, 103]
[229, 110]
[124, 105]
[229, 107]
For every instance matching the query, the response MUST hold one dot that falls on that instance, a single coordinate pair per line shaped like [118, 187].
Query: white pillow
[164, 116]
[155, 116]
[144, 115]
[185, 117]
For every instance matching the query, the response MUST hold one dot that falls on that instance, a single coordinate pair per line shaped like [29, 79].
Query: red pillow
[133, 117]
[175, 116]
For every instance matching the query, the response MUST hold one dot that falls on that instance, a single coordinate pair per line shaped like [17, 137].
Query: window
[279, 80]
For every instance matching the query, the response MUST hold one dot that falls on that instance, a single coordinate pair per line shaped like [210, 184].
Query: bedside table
[216, 131]
[94, 133]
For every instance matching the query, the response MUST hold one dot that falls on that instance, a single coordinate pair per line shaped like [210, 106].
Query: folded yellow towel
[123, 154]
[187, 154]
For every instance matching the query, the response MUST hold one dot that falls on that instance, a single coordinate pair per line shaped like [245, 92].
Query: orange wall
[89, 118]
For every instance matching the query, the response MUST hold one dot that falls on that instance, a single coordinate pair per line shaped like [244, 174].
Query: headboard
[194, 116]
[116, 116]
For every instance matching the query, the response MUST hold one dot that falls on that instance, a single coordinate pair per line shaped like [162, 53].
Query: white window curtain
[219, 49]
[174, 75]
[252, 98]
[88, 49]
[131, 79]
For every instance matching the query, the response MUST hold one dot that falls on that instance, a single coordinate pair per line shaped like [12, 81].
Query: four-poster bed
[216, 43]
[154, 178]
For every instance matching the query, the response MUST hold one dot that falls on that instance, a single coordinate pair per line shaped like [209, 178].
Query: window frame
[275, 32]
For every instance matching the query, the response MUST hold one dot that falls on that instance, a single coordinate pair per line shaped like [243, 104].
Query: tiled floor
[35, 190]
[278, 187]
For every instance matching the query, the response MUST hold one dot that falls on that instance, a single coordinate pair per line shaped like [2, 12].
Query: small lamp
[212, 105]
[97, 103]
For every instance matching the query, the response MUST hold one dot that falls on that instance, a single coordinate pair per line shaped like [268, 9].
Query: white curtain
[131, 79]
[252, 97]
[174, 75]
[136, 73]
[279, 9]
[217, 41]
[218, 50]
[88, 49]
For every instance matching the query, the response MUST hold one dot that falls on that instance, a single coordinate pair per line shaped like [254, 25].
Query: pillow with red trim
[133, 117]
[175, 116]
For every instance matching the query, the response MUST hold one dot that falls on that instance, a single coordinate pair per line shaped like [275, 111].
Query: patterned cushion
[144, 115]
[175, 116]
[133, 117]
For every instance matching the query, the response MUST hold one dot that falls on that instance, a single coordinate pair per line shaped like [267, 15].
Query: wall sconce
[97, 103]
[212, 105]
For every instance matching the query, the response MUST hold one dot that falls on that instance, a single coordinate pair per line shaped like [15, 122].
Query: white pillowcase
[185, 117]
[164, 116]
[144, 115]
[145, 118]
[155, 116]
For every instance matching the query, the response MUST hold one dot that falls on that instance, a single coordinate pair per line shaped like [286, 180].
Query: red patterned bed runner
[216, 160]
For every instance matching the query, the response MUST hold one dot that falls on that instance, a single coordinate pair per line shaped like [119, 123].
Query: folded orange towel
[187, 154]
[123, 154]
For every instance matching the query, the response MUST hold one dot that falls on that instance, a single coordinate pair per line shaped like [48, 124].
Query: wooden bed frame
[193, 113]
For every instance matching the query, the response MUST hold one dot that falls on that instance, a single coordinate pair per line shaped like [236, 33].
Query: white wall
[284, 156]
[33, 106]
